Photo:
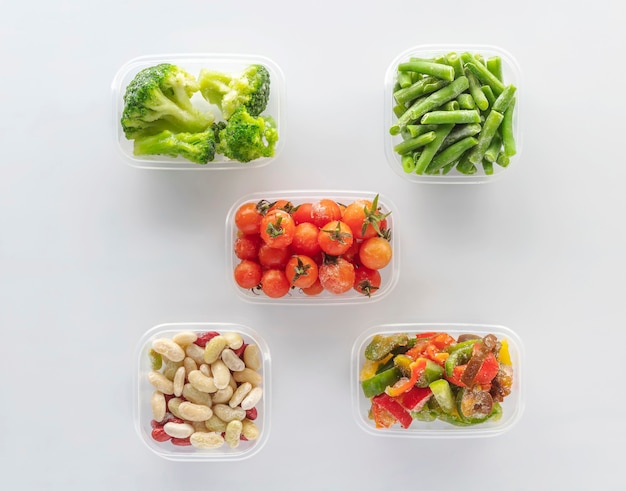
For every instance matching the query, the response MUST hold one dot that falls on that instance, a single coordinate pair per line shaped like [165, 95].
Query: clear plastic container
[193, 63]
[510, 75]
[143, 390]
[512, 406]
[389, 274]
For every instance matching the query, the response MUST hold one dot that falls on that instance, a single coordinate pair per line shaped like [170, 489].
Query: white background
[94, 252]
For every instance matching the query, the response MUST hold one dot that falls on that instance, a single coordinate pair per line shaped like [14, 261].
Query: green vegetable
[380, 345]
[431, 372]
[378, 383]
[460, 353]
[249, 89]
[158, 99]
[245, 137]
[195, 147]
[466, 91]
[443, 395]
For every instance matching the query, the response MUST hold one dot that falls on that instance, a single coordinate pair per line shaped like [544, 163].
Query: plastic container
[193, 63]
[510, 75]
[389, 274]
[512, 406]
[143, 390]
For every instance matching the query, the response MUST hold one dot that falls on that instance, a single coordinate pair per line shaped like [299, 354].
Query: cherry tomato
[301, 271]
[365, 219]
[282, 204]
[248, 218]
[302, 213]
[247, 246]
[375, 253]
[274, 283]
[277, 228]
[337, 275]
[271, 257]
[315, 289]
[352, 254]
[248, 273]
[335, 238]
[305, 239]
[325, 210]
[367, 281]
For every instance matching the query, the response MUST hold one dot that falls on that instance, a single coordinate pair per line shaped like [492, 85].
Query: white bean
[169, 349]
[184, 338]
[248, 375]
[206, 440]
[206, 369]
[173, 405]
[194, 412]
[196, 353]
[227, 413]
[232, 361]
[201, 382]
[223, 395]
[233, 340]
[249, 429]
[251, 357]
[213, 349]
[240, 394]
[189, 364]
[160, 382]
[221, 374]
[252, 398]
[159, 406]
[232, 436]
[179, 381]
[215, 424]
[197, 397]
[178, 430]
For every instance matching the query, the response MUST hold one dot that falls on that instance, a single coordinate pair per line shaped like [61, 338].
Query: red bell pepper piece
[382, 418]
[488, 370]
[394, 407]
[417, 367]
[417, 396]
[457, 373]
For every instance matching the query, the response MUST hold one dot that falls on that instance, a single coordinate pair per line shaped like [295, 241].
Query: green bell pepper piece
[380, 346]
[378, 383]
[431, 372]
[460, 353]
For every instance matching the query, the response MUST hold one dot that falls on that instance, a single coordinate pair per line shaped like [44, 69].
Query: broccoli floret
[250, 89]
[158, 99]
[195, 147]
[245, 137]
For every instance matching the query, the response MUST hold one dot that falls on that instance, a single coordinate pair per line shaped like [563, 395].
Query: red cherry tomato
[337, 275]
[335, 238]
[248, 273]
[277, 229]
[375, 253]
[274, 283]
[301, 271]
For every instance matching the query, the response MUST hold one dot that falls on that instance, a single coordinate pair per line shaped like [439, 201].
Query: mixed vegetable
[310, 247]
[433, 376]
[453, 112]
[161, 118]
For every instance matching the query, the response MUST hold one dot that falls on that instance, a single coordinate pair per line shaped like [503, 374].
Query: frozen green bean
[504, 99]
[429, 151]
[506, 131]
[494, 65]
[494, 148]
[427, 67]
[451, 154]
[486, 77]
[476, 92]
[492, 123]
[430, 102]
[466, 101]
[413, 143]
[459, 132]
[460, 116]
[421, 87]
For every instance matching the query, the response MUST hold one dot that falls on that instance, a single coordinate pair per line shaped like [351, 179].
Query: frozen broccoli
[245, 137]
[250, 89]
[158, 99]
[195, 147]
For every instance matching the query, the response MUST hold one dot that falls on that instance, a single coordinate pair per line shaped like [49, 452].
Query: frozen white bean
[159, 406]
[221, 374]
[253, 397]
[169, 349]
[232, 361]
[239, 394]
[196, 353]
[222, 396]
[215, 424]
[178, 430]
[227, 413]
[201, 382]
[249, 429]
[248, 375]
[160, 382]
[252, 357]
[233, 340]
[194, 412]
[179, 381]
[232, 436]
[185, 338]
[206, 440]
[197, 397]
[189, 364]
[213, 349]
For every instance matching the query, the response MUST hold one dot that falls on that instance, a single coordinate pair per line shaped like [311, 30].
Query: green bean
[454, 61]
[486, 77]
[492, 123]
[459, 116]
[494, 65]
[487, 167]
[476, 92]
[465, 166]
[450, 106]
[459, 132]
[408, 163]
[506, 131]
[423, 86]
[494, 148]
[430, 102]
[404, 79]
[439, 70]
[504, 99]
[413, 130]
[466, 101]
[399, 110]
[448, 167]
[503, 160]
[491, 98]
[413, 143]
[429, 151]
[452, 153]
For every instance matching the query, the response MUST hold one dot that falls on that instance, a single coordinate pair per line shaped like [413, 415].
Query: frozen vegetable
[433, 376]
[453, 112]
